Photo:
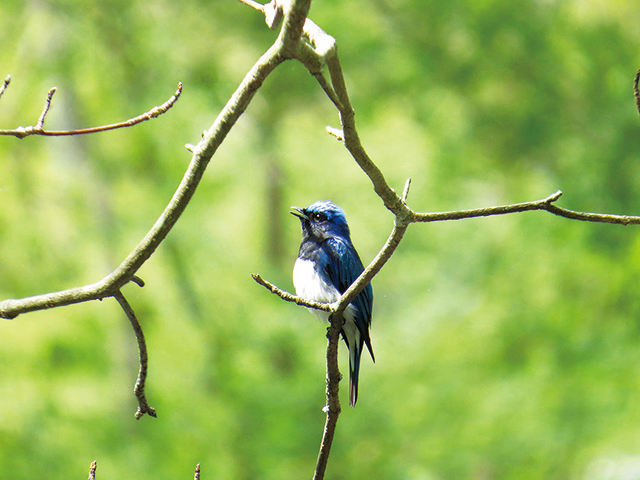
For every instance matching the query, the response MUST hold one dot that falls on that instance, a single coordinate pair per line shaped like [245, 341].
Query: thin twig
[138, 390]
[92, 470]
[196, 475]
[6, 83]
[47, 105]
[22, 132]
[326, 307]
[405, 192]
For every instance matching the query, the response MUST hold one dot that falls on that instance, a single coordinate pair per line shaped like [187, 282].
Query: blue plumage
[326, 266]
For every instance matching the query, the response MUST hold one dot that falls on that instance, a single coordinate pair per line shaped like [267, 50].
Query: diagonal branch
[319, 49]
[202, 154]
[38, 129]
[92, 470]
[326, 307]
[6, 83]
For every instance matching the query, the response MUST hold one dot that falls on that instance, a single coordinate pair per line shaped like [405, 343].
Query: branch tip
[92, 470]
[137, 280]
[6, 83]
[553, 197]
[45, 111]
[405, 192]
[197, 473]
[336, 132]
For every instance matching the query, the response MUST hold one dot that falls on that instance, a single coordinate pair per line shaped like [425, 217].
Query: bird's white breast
[310, 286]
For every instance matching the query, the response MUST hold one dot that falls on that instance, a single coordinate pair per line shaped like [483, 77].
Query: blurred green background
[506, 347]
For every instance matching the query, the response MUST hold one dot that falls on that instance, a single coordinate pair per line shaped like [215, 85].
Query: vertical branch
[92, 470]
[138, 390]
[332, 408]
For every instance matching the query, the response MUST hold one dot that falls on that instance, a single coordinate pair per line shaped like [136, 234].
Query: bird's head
[322, 220]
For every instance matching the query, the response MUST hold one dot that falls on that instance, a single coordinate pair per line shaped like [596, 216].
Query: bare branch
[138, 390]
[6, 83]
[22, 132]
[196, 475]
[405, 192]
[326, 307]
[202, 154]
[332, 409]
[92, 470]
[47, 105]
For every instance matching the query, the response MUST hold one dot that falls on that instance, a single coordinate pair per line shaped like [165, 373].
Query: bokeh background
[506, 347]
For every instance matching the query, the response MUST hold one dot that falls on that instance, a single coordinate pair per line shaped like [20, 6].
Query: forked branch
[38, 129]
[317, 51]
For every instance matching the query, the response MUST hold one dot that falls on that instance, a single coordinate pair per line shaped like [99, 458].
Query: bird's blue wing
[343, 268]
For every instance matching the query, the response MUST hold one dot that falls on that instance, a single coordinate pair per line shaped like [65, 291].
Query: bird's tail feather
[354, 372]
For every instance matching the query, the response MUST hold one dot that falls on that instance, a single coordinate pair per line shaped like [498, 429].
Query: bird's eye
[319, 217]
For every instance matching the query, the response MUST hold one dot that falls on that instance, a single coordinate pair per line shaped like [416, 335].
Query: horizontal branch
[38, 129]
[545, 204]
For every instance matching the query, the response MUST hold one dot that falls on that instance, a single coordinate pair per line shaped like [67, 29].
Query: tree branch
[38, 129]
[202, 154]
[6, 83]
[138, 389]
[332, 408]
[319, 50]
[326, 307]
[92, 470]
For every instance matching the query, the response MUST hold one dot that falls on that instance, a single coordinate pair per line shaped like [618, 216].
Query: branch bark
[283, 48]
[38, 129]
[320, 50]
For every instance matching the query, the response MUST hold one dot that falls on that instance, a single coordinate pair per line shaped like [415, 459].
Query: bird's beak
[299, 212]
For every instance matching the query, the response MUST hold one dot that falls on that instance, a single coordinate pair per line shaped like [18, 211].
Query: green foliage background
[506, 348]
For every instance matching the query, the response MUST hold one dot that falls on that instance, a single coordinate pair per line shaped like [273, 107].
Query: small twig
[405, 192]
[137, 280]
[138, 390]
[326, 307]
[92, 470]
[336, 132]
[636, 93]
[47, 105]
[7, 81]
[22, 132]
[196, 476]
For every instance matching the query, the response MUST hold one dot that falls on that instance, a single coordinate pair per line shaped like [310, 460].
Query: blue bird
[326, 266]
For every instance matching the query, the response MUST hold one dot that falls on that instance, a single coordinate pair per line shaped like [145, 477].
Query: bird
[326, 266]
